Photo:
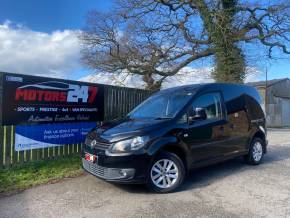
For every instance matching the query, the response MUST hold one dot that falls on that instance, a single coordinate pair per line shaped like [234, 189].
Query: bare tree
[156, 39]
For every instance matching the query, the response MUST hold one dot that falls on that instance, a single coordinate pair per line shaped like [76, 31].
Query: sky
[50, 15]
[39, 37]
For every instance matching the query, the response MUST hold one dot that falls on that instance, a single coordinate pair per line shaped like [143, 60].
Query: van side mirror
[197, 114]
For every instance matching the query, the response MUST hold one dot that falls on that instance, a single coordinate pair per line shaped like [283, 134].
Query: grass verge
[22, 177]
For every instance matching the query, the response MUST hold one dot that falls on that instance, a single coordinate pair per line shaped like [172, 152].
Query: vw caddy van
[175, 130]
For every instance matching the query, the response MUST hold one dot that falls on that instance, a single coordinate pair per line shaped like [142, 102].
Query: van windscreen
[161, 106]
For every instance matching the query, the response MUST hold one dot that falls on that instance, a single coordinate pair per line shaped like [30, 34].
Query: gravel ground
[230, 189]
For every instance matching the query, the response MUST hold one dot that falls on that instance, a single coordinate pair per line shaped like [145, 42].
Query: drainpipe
[266, 94]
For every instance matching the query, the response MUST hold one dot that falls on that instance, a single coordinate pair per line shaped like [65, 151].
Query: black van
[175, 130]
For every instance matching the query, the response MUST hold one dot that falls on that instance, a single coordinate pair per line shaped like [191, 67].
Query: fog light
[123, 173]
[126, 173]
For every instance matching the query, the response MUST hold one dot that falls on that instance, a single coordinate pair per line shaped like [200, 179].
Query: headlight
[128, 145]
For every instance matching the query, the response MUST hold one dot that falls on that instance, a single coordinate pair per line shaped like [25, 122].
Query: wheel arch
[260, 134]
[178, 150]
[171, 144]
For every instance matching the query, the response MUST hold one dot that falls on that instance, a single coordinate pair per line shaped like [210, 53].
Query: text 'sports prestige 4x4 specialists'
[176, 130]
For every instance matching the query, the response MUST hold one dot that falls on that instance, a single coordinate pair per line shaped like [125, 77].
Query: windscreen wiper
[163, 118]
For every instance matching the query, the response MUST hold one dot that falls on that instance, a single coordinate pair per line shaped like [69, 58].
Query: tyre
[256, 152]
[166, 173]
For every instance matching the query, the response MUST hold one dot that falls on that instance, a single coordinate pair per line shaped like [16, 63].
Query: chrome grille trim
[102, 172]
[100, 145]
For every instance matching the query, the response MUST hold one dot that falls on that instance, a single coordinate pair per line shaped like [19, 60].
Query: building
[277, 103]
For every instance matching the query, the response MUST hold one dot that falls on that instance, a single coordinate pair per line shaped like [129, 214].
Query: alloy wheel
[257, 151]
[164, 173]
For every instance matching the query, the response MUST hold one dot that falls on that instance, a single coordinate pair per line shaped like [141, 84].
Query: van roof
[185, 88]
[195, 87]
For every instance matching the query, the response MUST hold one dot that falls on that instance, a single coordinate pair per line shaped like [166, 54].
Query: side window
[211, 103]
[183, 119]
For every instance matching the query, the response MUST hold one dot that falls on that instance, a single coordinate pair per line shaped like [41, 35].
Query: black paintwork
[207, 141]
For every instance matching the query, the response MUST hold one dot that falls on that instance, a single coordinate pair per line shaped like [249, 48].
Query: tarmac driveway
[230, 189]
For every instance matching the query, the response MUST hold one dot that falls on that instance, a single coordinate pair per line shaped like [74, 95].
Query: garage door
[286, 112]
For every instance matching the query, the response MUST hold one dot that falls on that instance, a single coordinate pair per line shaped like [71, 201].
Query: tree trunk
[151, 84]
[229, 58]
[230, 64]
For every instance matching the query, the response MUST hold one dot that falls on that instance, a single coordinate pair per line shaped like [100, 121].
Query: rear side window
[212, 103]
[254, 108]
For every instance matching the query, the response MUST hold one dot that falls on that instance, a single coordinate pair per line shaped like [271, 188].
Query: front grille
[100, 145]
[102, 172]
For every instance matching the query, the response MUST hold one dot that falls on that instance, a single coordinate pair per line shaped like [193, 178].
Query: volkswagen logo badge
[93, 143]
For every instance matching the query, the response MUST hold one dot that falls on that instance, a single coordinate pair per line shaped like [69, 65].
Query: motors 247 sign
[31, 99]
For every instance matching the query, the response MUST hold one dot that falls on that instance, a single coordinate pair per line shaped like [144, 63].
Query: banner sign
[32, 99]
[50, 135]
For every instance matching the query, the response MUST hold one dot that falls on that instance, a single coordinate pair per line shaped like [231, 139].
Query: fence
[118, 102]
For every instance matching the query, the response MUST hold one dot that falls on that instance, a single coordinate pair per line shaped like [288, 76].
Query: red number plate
[90, 157]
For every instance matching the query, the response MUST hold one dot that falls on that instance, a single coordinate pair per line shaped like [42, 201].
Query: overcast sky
[40, 37]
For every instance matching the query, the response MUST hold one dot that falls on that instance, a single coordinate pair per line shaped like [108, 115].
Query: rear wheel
[256, 152]
[166, 173]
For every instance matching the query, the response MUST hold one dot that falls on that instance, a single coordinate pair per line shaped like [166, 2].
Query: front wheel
[166, 173]
[256, 152]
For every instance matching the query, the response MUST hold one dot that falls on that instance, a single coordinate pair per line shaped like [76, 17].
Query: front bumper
[108, 173]
[119, 169]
